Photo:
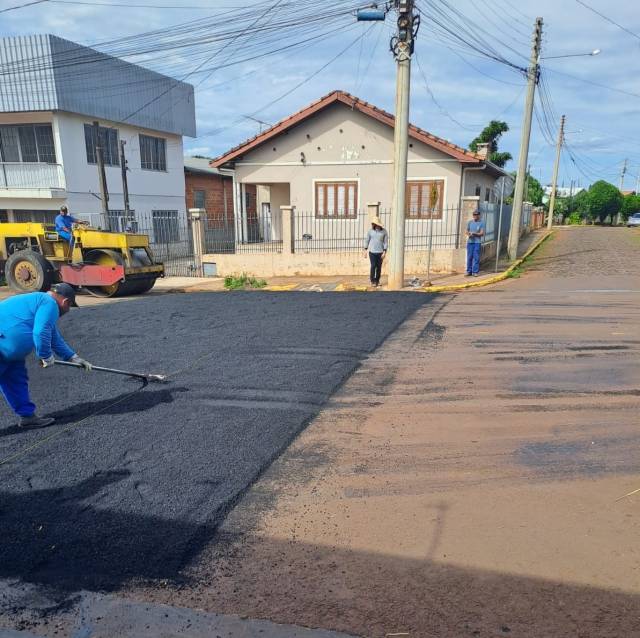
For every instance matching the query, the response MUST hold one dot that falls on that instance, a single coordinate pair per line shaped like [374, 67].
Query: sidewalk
[414, 281]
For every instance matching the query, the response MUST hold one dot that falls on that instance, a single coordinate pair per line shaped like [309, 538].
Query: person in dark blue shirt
[64, 224]
[28, 322]
[475, 232]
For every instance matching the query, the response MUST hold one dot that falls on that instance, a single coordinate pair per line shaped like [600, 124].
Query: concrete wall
[148, 190]
[484, 180]
[341, 144]
[318, 264]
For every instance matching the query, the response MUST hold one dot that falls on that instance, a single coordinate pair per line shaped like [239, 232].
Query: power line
[22, 6]
[435, 101]
[144, 106]
[291, 90]
[608, 19]
[602, 86]
[140, 6]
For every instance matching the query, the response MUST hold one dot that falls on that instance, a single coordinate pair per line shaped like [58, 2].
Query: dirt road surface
[131, 482]
[464, 481]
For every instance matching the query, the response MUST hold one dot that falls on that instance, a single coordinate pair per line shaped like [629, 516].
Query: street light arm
[572, 55]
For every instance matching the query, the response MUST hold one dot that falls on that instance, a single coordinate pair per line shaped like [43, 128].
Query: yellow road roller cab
[33, 257]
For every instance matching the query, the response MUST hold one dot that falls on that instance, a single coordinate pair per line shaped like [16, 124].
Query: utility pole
[518, 197]
[125, 184]
[556, 167]
[402, 46]
[570, 197]
[622, 174]
[102, 176]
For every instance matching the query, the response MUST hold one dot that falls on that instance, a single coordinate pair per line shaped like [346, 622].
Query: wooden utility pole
[125, 184]
[518, 196]
[556, 167]
[102, 176]
[622, 174]
[402, 46]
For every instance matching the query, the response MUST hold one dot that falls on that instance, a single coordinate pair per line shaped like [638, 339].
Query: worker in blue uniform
[64, 224]
[28, 322]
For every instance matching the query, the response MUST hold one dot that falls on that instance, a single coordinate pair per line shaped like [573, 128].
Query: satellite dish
[507, 182]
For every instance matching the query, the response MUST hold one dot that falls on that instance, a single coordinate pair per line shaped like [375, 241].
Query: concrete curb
[490, 280]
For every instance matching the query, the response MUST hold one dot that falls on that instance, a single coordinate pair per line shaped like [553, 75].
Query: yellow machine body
[34, 256]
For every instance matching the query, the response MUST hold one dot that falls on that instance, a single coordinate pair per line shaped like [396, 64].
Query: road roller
[106, 264]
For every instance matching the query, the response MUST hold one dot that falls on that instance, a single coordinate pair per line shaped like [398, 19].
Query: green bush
[575, 219]
[244, 281]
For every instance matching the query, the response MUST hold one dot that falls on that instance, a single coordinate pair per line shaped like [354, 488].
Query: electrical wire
[22, 6]
[291, 90]
[435, 101]
[608, 19]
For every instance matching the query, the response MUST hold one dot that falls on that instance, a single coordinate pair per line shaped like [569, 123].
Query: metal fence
[347, 234]
[170, 239]
[255, 232]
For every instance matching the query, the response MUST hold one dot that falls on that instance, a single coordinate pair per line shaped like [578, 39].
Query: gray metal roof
[47, 73]
[201, 165]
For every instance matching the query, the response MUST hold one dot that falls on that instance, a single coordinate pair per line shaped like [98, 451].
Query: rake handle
[136, 375]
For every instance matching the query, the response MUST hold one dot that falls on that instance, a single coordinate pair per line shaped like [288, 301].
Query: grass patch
[243, 282]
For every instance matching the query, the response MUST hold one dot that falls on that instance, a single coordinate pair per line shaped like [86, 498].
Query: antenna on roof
[261, 123]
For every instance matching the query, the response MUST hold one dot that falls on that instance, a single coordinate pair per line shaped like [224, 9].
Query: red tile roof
[457, 152]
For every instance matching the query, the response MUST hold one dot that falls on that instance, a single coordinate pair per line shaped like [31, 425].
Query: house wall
[218, 193]
[342, 144]
[77, 79]
[474, 178]
[148, 190]
[349, 264]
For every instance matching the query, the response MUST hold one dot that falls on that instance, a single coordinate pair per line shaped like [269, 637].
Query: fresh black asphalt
[132, 482]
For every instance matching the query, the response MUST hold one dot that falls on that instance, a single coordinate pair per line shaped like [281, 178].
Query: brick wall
[217, 189]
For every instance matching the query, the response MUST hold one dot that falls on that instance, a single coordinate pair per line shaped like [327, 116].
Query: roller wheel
[120, 288]
[28, 271]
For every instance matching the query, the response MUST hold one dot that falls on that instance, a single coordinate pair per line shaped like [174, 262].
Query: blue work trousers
[14, 383]
[473, 258]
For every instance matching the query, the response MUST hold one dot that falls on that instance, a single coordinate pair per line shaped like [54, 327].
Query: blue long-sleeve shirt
[28, 322]
[65, 223]
[377, 241]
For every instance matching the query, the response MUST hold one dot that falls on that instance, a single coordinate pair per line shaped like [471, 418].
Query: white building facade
[51, 93]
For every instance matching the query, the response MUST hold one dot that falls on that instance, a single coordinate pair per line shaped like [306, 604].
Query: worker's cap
[66, 291]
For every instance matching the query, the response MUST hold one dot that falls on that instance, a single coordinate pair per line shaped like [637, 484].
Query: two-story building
[51, 93]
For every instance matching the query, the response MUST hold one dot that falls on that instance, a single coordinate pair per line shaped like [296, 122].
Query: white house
[51, 92]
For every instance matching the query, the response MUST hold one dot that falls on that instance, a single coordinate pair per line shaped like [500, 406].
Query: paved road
[469, 474]
[131, 483]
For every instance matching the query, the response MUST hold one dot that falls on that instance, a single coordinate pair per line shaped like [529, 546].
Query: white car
[634, 220]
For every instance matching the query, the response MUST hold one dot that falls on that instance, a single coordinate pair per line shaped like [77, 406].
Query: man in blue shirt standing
[28, 322]
[64, 224]
[475, 233]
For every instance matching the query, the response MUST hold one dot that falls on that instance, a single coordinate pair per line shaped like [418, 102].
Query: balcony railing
[27, 175]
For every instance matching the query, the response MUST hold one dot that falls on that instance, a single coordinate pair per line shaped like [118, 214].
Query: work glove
[85, 364]
[49, 361]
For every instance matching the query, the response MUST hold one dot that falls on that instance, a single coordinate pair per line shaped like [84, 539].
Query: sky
[455, 91]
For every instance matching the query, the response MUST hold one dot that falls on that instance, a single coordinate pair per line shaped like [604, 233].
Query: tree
[534, 191]
[579, 203]
[630, 205]
[491, 135]
[603, 199]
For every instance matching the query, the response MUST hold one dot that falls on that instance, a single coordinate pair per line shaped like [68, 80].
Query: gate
[171, 241]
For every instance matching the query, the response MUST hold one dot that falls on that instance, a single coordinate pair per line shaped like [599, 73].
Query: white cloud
[609, 121]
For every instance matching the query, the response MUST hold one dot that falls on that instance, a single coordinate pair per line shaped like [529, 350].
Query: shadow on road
[375, 594]
[61, 538]
[125, 403]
